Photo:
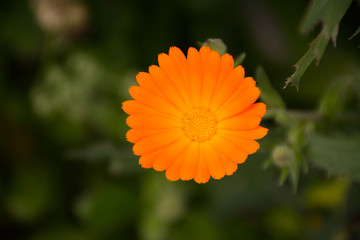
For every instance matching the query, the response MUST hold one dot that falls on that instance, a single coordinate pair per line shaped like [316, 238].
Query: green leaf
[294, 171]
[316, 50]
[332, 15]
[268, 94]
[334, 98]
[239, 59]
[337, 155]
[283, 176]
[267, 163]
[301, 160]
[313, 15]
[330, 12]
[334, 34]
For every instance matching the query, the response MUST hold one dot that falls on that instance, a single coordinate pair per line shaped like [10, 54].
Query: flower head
[194, 116]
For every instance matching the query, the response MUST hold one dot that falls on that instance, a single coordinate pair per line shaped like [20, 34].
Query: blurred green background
[67, 172]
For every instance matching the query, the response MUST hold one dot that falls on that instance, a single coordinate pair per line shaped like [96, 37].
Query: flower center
[199, 124]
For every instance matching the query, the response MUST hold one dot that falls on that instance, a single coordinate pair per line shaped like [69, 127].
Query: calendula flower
[194, 116]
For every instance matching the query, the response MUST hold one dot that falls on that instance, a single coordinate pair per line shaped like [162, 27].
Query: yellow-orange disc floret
[194, 116]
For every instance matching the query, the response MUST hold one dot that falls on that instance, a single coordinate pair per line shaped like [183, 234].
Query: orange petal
[152, 122]
[194, 78]
[227, 65]
[173, 172]
[191, 162]
[135, 135]
[170, 68]
[238, 104]
[180, 60]
[133, 107]
[249, 146]
[150, 99]
[204, 54]
[213, 160]
[170, 154]
[148, 160]
[155, 142]
[244, 86]
[227, 87]
[229, 166]
[145, 80]
[211, 75]
[203, 174]
[229, 149]
[239, 123]
[168, 88]
[256, 133]
[255, 110]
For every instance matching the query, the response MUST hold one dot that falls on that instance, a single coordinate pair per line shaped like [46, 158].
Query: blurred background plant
[67, 172]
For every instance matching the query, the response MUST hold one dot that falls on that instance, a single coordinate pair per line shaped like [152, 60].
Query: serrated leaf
[313, 15]
[268, 94]
[334, 34]
[316, 50]
[337, 155]
[333, 13]
[330, 12]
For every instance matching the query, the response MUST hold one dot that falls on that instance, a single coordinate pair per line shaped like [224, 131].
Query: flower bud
[216, 44]
[283, 156]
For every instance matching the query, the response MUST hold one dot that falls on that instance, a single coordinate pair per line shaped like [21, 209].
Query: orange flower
[194, 117]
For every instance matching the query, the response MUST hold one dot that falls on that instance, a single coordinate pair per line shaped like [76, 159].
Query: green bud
[216, 44]
[283, 156]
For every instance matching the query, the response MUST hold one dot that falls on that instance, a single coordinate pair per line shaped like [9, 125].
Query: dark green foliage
[67, 171]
